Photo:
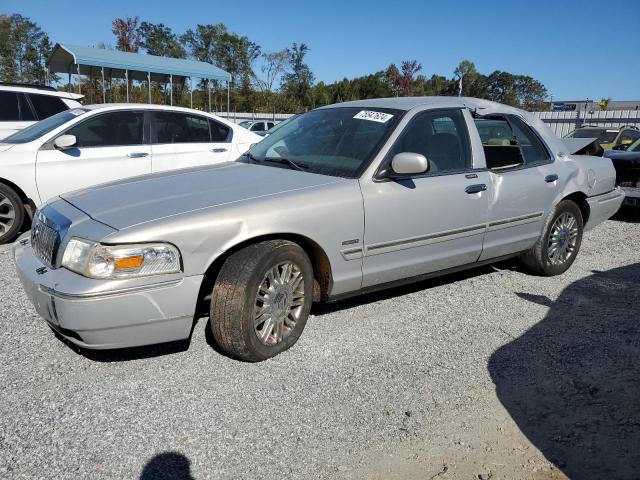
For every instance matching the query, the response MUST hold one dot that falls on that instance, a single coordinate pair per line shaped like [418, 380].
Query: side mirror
[65, 141]
[408, 163]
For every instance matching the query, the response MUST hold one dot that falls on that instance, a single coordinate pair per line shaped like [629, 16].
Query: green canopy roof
[91, 61]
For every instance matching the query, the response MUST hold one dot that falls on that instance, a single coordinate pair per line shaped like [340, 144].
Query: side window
[531, 146]
[9, 109]
[257, 127]
[270, 125]
[628, 137]
[46, 106]
[219, 132]
[441, 136]
[173, 127]
[110, 129]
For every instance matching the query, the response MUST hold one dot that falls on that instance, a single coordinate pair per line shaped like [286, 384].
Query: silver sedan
[342, 200]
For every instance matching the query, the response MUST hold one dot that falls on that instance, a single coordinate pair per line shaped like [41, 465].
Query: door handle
[551, 178]
[477, 188]
[137, 154]
[218, 150]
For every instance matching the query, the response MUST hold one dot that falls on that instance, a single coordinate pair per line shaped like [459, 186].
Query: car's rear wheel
[558, 246]
[261, 300]
[11, 214]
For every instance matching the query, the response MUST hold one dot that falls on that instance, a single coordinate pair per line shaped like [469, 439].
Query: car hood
[147, 198]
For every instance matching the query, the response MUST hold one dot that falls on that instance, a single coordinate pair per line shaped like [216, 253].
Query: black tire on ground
[11, 214]
[537, 259]
[234, 302]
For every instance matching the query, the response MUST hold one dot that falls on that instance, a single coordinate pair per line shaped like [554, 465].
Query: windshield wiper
[290, 163]
[252, 158]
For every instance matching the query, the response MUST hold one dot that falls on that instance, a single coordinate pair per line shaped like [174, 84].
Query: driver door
[109, 146]
[432, 221]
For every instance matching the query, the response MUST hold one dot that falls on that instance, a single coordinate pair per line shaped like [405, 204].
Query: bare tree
[274, 66]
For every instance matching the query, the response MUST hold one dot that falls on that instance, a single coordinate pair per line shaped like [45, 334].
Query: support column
[228, 93]
[171, 88]
[104, 88]
[126, 79]
[78, 70]
[191, 92]
[149, 83]
[209, 93]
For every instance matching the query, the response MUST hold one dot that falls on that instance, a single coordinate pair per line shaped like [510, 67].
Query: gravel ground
[476, 375]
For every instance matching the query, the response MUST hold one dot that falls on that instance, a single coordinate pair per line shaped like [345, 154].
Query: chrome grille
[44, 240]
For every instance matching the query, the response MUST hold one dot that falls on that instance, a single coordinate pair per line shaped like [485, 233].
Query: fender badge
[351, 242]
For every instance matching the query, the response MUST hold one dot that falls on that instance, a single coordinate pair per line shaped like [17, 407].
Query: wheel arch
[29, 205]
[580, 199]
[323, 278]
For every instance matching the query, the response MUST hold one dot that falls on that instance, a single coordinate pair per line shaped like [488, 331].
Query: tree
[158, 39]
[274, 66]
[128, 35]
[392, 79]
[298, 81]
[24, 49]
[408, 69]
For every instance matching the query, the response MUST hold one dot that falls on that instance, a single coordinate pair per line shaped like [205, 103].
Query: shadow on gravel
[325, 308]
[572, 382]
[627, 214]
[167, 466]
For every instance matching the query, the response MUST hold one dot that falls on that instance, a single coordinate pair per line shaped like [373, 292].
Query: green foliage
[158, 39]
[24, 49]
[128, 34]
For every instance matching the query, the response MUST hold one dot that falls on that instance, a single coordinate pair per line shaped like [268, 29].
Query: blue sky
[578, 49]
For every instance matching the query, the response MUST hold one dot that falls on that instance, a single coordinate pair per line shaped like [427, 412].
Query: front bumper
[632, 195]
[105, 314]
[602, 207]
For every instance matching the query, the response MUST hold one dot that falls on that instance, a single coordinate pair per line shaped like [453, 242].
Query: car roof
[39, 89]
[410, 103]
[149, 106]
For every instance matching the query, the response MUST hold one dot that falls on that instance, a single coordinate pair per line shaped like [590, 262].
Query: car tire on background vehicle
[261, 300]
[11, 214]
[558, 246]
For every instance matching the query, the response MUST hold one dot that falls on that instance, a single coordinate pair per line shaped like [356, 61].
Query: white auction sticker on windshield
[370, 115]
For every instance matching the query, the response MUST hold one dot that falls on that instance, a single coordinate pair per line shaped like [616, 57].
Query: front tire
[261, 300]
[11, 214]
[558, 245]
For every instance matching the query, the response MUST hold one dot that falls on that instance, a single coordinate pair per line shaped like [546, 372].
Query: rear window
[46, 106]
[9, 109]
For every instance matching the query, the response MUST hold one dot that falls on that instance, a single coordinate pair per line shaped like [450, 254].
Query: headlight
[95, 260]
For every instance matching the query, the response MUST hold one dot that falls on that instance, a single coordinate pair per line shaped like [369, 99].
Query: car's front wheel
[11, 214]
[261, 300]
[558, 246]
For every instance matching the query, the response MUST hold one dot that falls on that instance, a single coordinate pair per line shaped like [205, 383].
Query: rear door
[526, 181]
[109, 146]
[183, 140]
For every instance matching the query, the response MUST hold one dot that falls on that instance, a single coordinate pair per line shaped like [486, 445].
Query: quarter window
[110, 129]
[46, 106]
[219, 132]
[173, 127]
[441, 136]
[257, 127]
[532, 148]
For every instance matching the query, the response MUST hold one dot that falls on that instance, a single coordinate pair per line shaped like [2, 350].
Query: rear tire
[11, 214]
[261, 300]
[558, 245]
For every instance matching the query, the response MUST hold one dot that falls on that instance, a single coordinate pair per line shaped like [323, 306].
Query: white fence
[560, 122]
[564, 122]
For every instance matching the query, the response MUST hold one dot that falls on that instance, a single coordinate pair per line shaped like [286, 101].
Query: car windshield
[339, 141]
[281, 124]
[246, 124]
[603, 135]
[634, 147]
[43, 127]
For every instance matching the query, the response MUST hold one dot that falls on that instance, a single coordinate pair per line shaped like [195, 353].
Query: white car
[23, 105]
[257, 126]
[96, 144]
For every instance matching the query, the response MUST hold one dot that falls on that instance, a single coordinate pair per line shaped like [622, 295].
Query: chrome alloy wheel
[7, 214]
[562, 239]
[279, 303]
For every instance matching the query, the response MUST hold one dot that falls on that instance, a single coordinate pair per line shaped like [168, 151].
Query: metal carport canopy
[75, 59]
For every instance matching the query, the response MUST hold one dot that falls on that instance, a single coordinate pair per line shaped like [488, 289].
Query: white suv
[23, 105]
[95, 144]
